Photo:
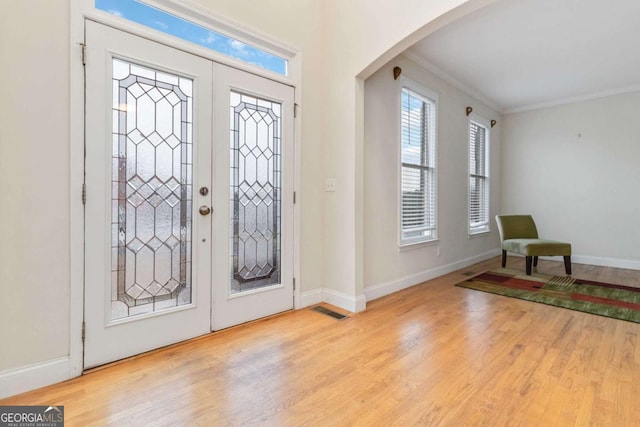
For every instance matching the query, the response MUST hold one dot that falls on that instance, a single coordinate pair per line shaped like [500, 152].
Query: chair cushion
[537, 247]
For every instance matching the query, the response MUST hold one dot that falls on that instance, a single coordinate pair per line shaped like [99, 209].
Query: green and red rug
[605, 299]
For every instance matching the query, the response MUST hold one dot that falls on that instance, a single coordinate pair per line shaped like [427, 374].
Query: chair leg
[528, 260]
[504, 259]
[535, 261]
[567, 264]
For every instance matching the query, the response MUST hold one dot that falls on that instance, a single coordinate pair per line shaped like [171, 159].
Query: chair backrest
[516, 227]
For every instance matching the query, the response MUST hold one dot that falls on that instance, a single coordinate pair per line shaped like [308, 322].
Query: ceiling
[518, 55]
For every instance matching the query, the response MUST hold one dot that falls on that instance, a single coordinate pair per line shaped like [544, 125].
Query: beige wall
[386, 267]
[575, 168]
[34, 182]
[338, 40]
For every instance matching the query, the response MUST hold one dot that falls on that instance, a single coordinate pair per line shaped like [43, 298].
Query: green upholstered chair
[518, 234]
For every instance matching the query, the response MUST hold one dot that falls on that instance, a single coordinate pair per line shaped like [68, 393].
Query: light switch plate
[330, 184]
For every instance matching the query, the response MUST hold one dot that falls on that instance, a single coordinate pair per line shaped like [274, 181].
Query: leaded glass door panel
[148, 150]
[255, 147]
[253, 273]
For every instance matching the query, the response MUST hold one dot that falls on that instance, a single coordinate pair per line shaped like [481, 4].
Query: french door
[188, 175]
[253, 221]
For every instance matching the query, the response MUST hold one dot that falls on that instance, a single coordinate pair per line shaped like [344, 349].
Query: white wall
[34, 183]
[575, 168]
[386, 267]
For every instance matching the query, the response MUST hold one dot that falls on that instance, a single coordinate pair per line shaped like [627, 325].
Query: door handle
[204, 210]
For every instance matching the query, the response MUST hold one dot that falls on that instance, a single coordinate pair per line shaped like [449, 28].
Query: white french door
[187, 226]
[254, 215]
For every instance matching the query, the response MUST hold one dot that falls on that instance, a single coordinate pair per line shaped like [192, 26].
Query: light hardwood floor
[433, 354]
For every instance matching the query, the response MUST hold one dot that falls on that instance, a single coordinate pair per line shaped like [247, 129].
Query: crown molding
[438, 72]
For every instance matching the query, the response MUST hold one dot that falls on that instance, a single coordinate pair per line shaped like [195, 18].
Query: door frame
[82, 10]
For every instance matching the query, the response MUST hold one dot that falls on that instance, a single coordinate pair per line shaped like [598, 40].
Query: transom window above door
[149, 16]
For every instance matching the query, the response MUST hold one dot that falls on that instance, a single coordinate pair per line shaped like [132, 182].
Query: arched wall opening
[344, 212]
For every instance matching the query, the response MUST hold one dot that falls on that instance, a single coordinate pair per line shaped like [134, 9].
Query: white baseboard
[630, 264]
[382, 289]
[606, 262]
[31, 377]
[310, 298]
[337, 298]
[344, 301]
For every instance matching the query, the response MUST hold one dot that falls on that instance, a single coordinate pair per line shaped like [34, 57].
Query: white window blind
[478, 178]
[418, 168]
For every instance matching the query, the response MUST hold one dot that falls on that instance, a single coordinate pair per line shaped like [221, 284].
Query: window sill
[479, 234]
[405, 247]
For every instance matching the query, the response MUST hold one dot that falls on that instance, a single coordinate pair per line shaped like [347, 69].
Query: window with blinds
[418, 168]
[478, 178]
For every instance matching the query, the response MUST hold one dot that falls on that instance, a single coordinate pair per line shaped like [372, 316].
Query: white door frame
[80, 10]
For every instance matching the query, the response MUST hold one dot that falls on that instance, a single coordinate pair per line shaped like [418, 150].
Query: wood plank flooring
[433, 354]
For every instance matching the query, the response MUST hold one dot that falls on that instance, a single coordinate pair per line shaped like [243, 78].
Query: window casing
[418, 222]
[478, 177]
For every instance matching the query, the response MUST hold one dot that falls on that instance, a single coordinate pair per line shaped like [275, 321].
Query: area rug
[617, 301]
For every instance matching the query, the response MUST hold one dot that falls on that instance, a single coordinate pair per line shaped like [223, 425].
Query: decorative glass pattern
[255, 192]
[151, 190]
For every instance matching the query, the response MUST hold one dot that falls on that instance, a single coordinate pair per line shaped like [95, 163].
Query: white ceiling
[523, 54]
